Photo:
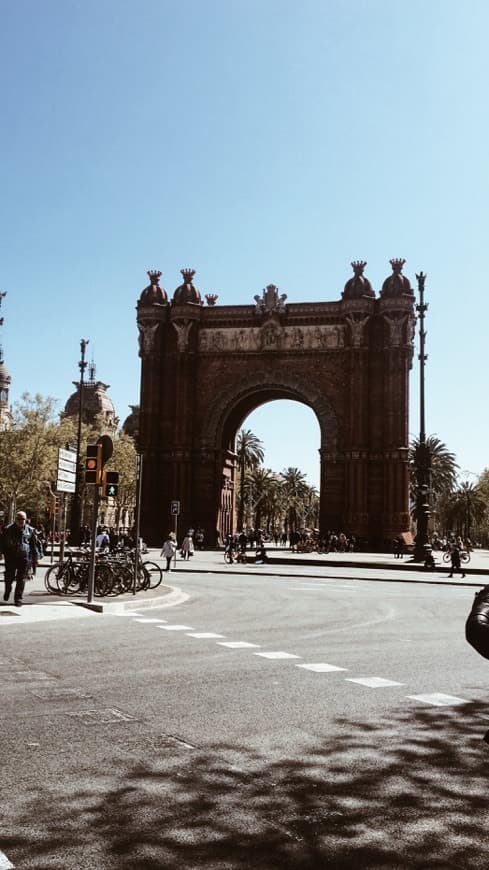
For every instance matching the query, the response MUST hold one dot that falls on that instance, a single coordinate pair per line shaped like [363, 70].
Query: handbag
[477, 625]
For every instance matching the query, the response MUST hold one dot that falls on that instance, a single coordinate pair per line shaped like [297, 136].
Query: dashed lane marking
[143, 619]
[373, 682]
[438, 699]
[5, 864]
[238, 644]
[205, 634]
[313, 587]
[321, 667]
[277, 655]
[175, 627]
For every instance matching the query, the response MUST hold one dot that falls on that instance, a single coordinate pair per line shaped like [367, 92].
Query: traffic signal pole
[93, 550]
[139, 481]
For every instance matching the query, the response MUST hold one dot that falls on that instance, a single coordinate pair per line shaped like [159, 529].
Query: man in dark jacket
[21, 550]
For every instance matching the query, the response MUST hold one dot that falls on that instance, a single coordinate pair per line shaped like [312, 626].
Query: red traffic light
[93, 464]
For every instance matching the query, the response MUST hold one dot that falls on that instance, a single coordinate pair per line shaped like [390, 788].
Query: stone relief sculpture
[182, 328]
[272, 336]
[396, 328]
[270, 301]
[357, 323]
[147, 337]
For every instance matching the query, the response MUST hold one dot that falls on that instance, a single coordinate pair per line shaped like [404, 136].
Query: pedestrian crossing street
[436, 699]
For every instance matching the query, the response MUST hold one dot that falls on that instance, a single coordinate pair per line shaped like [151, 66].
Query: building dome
[187, 292]
[130, 425]
[396, 284]
[96, 403]
[4, 375]
[358, 286]
[153, 294]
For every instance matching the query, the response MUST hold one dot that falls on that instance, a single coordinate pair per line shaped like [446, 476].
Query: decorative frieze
[272, 336]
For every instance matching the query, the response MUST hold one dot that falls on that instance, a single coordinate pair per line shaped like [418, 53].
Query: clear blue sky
[255, 141]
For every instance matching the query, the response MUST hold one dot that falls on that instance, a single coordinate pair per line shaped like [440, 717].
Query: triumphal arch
[205, 367]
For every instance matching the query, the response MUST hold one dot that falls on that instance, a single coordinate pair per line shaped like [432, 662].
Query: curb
[234, 569]
[169, 599]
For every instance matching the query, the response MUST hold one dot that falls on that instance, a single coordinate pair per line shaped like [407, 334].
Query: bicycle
[464, 557]
[71, 577]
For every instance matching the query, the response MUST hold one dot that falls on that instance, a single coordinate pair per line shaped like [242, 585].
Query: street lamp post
[423, 459]
[75, 517]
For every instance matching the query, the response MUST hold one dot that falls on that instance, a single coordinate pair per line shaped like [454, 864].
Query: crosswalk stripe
[321, 667]
[148, 620]
[373, 682]
[438, 699]
[205, 634]
[238, 644]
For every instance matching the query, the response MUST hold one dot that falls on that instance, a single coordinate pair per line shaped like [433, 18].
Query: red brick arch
[205, 368]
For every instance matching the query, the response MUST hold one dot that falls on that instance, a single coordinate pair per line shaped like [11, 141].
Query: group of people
[192, 540]
[235, 546]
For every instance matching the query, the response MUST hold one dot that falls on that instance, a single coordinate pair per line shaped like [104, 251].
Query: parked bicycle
[114, 574]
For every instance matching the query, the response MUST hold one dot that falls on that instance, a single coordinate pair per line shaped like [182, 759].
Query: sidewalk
[281, 563]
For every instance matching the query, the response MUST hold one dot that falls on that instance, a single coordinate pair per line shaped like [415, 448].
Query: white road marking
[175, 627]
[5, 864]
[277, 655]
[438, 699]
[373, 682]
[321, 667]
[311, 588]
[238, 644]
[149, 620]
[204, 634]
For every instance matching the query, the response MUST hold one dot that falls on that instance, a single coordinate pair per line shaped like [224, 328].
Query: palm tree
[295, 490]
[262, 488]
[466, 507]
[250, 454]
[441, 462]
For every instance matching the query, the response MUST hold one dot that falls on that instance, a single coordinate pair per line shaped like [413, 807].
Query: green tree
[466, 509]
[441, 462]
[262, 488]
[28, 456]
[249, 450]
[295, 490]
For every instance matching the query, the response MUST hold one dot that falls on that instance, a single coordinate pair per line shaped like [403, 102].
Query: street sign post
[175, 512]
[66, 474]
[97, 456]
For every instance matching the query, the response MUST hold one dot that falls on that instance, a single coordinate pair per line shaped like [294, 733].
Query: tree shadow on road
[405, 791]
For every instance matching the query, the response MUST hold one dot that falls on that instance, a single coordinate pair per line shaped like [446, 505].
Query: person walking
[187, 546]
[455, 558]
[21, 549]
[168, 550]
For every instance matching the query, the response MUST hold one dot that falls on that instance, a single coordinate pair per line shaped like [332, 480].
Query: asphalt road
[264, 722]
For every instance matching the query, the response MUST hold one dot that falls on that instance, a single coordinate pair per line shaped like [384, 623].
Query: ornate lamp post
[423, 458]
[75, 517]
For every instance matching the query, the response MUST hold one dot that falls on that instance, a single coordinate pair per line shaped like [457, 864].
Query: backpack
[477, 625]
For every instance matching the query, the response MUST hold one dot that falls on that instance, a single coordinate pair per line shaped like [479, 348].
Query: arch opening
[274, 464]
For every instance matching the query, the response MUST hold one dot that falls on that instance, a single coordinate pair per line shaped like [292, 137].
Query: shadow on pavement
[407, 791]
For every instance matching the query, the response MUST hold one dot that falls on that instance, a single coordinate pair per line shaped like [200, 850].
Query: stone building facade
[204, 369]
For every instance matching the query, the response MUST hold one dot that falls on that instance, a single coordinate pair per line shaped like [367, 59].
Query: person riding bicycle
[455, 560]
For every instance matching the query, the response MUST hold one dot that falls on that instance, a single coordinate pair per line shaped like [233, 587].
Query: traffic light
[93, 464]
[111, 480]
